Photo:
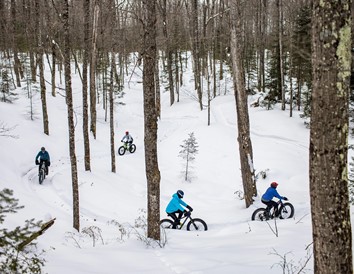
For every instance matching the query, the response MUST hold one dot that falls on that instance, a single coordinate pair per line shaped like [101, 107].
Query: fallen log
[44, 227]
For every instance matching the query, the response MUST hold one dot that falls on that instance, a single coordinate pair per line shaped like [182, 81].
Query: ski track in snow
[221, 119]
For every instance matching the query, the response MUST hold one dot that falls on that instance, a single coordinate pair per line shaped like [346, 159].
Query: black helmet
[180, 193]
[43, 148]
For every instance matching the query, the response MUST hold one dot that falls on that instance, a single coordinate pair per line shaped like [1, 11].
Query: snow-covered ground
[232, 244]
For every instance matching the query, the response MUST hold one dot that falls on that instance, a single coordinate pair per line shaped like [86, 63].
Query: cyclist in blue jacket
[177, 206]
[270, 193]
[43, 156]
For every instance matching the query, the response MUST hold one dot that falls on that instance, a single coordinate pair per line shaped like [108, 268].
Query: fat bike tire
[197, 224]
[132, 148]
[260, 214]
[41, 176]
[166, 223]
[286, 211]
[121, 150]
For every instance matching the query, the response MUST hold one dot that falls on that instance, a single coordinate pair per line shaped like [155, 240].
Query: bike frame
[126, 146]
[43, 167]
[186, 218]
[280, 204]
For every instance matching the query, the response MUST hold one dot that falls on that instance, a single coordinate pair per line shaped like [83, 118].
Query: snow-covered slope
[233, 243]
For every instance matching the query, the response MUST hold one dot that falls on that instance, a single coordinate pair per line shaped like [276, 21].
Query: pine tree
[188, 152]
[14, 256]
[7, 95]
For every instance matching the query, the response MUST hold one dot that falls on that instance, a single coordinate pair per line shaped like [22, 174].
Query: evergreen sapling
[188, 152]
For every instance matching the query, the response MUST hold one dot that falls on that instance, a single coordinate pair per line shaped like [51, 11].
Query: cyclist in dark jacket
[43, 156]
[270, 193]
[177, 206]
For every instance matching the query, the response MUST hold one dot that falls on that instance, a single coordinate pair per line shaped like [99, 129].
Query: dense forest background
[276, 38]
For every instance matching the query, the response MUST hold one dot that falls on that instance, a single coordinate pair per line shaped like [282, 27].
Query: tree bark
[93, 69]
[17, 62]
[71, 125]
[261, 52]
[150, 127]
[40, 52]
[111, 113]
[168, 50]
[280, 41]
[331, 60]
[244, 139]
[85, 114]
[157, 87]
[54, 56]
[196, 51]
[3, 37]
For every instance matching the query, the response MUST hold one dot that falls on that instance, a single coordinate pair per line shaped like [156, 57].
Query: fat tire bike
[193, 224]
[126, 147]
[285, 211]
[42, 173]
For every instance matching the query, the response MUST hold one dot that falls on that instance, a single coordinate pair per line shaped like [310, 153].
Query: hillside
[233, 243]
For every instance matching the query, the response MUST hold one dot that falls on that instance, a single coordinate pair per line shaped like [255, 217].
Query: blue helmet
[180, 193]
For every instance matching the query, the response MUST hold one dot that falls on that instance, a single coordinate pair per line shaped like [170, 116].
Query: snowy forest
[73, 71]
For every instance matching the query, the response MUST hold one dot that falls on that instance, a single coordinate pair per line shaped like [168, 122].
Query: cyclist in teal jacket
[43, 156]
[270, 193]
[177, 206]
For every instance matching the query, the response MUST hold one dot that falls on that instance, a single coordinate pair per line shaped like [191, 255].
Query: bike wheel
[132, 148]
[166, 223]
[260, 214]
[41, 176]
[286, 211]
[121, 150]
[197, 225]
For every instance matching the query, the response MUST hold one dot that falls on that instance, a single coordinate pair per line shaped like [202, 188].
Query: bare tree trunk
[71, 125]
[281, 84]
[196, 52]
[157, 87]
[177, 73]
[299, 84]
[331, 60]
[111, 113]
[33, 45]
[163, 8]
[40, 52]
[17, 62]
[93, 69]
[85, 114]
[278, 91]
[3, 37]
[54, 56]
[244, 139]
[150, 139]
[43, 93]
[261, 44]
[209, 60]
